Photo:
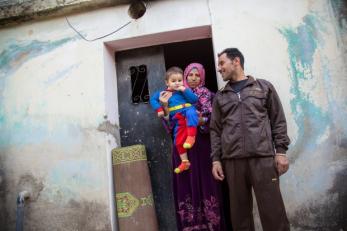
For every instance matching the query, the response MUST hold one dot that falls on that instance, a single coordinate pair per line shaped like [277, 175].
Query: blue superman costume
[183, 115]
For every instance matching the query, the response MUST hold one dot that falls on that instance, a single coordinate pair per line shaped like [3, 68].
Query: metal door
[140, 125]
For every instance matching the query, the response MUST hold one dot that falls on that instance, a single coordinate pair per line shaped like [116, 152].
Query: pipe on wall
[21, 198]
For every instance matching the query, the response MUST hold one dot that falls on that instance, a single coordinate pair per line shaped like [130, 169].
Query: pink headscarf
[201, 71]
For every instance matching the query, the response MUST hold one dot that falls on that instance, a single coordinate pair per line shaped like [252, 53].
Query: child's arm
[164, 97]
[155, 103]
[189, 95]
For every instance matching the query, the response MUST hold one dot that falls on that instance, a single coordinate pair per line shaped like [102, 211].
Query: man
[249, 141]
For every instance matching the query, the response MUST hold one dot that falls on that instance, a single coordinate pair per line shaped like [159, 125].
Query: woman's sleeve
[205, 101]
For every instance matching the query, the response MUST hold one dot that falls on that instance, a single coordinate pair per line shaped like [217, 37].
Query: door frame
[111, 90]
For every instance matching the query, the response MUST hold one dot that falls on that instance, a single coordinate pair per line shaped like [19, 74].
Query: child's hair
[172, 71]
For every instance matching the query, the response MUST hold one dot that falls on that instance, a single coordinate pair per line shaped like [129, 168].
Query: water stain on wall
[330, 215]
[339, 8]
[42, 214]
[9, 191]
[29, 183]
[3, 191]
[111, 129]
[76, 215]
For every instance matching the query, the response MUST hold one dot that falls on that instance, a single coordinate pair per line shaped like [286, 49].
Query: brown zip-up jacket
[250, 123]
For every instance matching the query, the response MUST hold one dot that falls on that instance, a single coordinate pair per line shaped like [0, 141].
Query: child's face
[174, 81]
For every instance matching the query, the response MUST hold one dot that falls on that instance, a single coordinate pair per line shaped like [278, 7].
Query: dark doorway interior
[141, 72]
[201, 51]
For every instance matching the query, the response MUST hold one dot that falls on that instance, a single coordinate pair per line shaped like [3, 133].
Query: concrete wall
[58, 103]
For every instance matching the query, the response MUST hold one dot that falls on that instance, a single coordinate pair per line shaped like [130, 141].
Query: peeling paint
[109, 128]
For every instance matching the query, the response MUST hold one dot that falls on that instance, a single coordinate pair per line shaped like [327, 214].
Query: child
[181, 112]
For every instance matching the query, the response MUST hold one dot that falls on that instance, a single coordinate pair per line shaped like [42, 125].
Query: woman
[197, 195]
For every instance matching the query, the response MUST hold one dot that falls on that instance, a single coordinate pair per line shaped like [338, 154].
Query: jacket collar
[251, 80]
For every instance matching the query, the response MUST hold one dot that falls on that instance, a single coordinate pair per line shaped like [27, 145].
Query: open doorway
[137, 120]
[199, 51]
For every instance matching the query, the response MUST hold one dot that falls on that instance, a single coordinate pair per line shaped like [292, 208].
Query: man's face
[226, 67]
[174, 81]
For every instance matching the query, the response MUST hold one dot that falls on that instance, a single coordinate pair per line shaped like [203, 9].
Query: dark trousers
[260, 174]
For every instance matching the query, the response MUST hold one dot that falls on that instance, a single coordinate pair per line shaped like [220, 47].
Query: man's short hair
[233, 53]
[172, 71]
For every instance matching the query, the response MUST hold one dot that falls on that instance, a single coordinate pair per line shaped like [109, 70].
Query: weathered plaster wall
[17, 11]
[54, 87]
[52, 101]
[297, 46]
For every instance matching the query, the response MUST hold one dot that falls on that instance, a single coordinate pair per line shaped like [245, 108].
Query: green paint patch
[303, 43]
[18, 53]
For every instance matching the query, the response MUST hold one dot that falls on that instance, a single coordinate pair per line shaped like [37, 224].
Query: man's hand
[282, 163]
[217, 170]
